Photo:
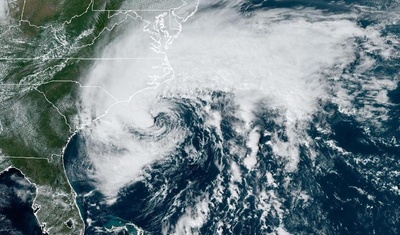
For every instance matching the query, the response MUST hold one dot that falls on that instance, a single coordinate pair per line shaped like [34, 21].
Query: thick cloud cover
[287, 59]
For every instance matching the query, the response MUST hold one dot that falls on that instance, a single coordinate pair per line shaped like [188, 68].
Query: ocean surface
[16, 199]
[284, 120]
[341, 199]
[219, 179]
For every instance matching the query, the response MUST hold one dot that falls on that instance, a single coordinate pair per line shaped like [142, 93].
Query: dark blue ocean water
[348, 193]
[16, 198]
[344, 200]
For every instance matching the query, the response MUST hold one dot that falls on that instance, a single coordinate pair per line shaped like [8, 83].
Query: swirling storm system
[231, 117]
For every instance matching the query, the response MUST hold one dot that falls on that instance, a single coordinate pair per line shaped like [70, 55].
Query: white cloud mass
[286, 58]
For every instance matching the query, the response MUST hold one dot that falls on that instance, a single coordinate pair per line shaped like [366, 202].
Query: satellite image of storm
[200, 117]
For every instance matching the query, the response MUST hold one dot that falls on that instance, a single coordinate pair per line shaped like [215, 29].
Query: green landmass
[45, 51]
[40, 99]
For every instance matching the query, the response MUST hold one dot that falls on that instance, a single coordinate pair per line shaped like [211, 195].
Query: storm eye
[162, 119]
